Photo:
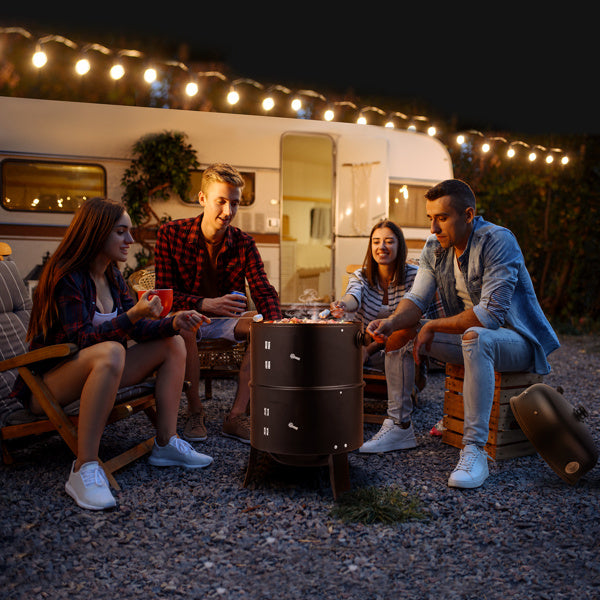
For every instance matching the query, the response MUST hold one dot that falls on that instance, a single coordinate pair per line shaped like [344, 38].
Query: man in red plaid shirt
[204, 259]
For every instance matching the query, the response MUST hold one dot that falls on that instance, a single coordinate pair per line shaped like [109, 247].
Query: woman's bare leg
[166, 357]
[93, 375]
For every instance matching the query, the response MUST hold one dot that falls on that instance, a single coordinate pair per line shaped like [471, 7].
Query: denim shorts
[219, 328]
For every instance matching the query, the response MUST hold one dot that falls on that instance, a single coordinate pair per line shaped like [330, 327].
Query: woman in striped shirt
[373, 292]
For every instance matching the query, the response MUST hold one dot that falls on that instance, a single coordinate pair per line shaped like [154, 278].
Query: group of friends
[469, 301]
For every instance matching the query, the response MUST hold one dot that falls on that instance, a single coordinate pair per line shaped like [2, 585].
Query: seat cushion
[15, 307]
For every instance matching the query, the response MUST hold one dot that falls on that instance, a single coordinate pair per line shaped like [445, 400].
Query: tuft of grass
[377, 505]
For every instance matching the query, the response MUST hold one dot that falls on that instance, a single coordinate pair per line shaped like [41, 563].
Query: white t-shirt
[461, 286]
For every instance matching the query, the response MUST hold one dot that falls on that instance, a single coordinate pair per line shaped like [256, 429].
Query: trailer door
[362, 200]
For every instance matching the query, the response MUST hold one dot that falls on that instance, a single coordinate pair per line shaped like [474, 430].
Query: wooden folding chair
[219, 358]
[15, 420]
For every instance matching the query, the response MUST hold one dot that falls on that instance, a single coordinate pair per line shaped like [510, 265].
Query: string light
[82, 66]
[150, 75]
[412, 123]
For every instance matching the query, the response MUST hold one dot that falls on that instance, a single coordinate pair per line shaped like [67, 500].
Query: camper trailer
[314, 188]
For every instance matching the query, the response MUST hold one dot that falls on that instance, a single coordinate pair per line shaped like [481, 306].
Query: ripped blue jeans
[492, 350]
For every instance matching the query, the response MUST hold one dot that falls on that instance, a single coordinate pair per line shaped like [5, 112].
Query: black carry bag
[556, 429]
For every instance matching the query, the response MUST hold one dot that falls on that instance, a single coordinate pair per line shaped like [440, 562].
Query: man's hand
[424, 340]
[229, 305]
[380, 329]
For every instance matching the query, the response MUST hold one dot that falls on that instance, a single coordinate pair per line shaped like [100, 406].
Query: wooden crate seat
[506, 440]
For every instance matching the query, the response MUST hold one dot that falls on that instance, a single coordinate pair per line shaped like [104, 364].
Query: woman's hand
[189, 320]
[148, 306]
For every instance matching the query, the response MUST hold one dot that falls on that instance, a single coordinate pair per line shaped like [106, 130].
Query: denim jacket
[497, 281]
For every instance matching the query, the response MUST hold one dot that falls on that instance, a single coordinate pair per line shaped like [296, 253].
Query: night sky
[504, 72]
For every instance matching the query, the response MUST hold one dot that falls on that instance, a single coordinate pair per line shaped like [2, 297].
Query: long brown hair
[82, 242]
[370, 266]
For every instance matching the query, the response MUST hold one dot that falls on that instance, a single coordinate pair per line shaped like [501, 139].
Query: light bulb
[39, 59]
[532, 156]
[233, 97]
[329, 114]
[486, 147]
[460, 139]
[82, 66]
[296, 104]
[117, 71]
[362, 120]
[268, 103]
[150, 75]
[431, 131]
[510, 152]
[191, 89]
[549, 159]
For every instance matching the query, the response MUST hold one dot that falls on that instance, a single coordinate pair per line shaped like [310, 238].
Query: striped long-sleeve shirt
[370, 299]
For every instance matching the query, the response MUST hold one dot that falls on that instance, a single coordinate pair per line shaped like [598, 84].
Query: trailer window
[247, 191]
[44, 186]
[407, 205]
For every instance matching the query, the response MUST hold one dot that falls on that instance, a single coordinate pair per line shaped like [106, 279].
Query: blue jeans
[493, 350]
[400, 380]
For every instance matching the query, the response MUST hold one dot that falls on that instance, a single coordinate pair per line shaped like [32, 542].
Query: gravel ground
[178, 534]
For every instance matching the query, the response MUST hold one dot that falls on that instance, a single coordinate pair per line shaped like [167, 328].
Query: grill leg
[339, 474]
[252, 462]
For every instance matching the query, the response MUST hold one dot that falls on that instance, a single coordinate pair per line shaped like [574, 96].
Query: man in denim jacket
[494, 319]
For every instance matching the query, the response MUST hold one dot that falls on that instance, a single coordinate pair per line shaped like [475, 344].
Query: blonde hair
[223, 173]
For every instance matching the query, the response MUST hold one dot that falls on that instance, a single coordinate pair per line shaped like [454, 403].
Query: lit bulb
[233, 97]
[150, 75]
[390, 124]
[362, 120]
[412, 128]
[117, 71]
[329, 114]
[39, 59]
[191, 89]
[549, 158]
[485, 147]
[82, 66]
[296, 104]
[564, 160]
[510, 152]
[460, 139]
[431, 131]
[268, 103]
[532, 156]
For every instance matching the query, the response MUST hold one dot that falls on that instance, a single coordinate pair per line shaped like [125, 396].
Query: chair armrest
[35, 356]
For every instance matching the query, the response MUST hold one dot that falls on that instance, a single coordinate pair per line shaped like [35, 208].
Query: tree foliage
[553, 211]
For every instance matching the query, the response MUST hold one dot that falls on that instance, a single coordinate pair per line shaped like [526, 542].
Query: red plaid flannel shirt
[180, 256]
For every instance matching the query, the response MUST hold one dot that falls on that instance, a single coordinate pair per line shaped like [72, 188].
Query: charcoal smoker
[306, 395]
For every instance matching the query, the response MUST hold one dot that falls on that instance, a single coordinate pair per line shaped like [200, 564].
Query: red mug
[166, 299]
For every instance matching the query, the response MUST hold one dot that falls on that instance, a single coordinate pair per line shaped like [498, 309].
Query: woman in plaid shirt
[82, 298]
[373, 292]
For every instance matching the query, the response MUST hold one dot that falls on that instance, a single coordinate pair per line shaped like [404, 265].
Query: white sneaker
[89, 487]
[178, 453]
[390, 437]
[472, 468]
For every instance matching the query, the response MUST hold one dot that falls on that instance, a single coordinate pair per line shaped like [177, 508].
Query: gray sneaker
[390, 437]
[89, 487]
[178, 453]
[472, 468]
